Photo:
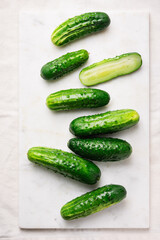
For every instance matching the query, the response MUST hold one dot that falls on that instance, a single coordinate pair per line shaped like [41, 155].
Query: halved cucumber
[110, 68]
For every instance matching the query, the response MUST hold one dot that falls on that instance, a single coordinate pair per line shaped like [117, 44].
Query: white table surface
[9, 119]
[41, 192]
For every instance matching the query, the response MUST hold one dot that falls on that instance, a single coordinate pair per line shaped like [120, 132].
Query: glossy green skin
[64, 64]
[108, 122]
[77, 98]
[79, 26]
[93, 201]
[110, 68]
[101, 149]
[65, 163]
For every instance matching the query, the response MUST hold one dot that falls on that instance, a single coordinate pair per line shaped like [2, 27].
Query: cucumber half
[110, 68]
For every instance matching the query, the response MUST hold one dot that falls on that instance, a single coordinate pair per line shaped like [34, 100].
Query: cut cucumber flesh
[110, 68]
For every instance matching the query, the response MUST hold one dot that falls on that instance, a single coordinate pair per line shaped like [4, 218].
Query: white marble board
[42, 192]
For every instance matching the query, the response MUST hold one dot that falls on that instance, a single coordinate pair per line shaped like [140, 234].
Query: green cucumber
[108, 122]
[64, 64]
[65, 163]
[101, 149]
[77, 98]
[79, 26]
[110, 68]
[93, 201]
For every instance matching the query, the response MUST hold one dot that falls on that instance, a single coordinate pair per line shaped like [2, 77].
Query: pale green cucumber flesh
[110, 68]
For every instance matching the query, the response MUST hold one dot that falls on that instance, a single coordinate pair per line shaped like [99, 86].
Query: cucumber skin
[108, 122]
[105, 61]
[93, 201]
[64, 64]
[77, 98]
[101, 149]
[65, 163]
[79, 26]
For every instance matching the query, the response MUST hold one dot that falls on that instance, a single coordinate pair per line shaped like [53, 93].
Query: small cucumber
[65, 163]
[110, 68]
[108, 122]
[101, 149]
[77, 98]
[93, 201]
[64, 64]
[79, 26]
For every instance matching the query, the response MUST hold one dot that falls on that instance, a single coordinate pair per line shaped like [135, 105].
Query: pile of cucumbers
[89, 146]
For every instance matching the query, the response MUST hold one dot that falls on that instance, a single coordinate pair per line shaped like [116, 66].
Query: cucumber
[77, 98]
[101, 149]
[79, 26]
[110, 68]
[93, 201]
[64, 64]
[108, 122]
[65, 163]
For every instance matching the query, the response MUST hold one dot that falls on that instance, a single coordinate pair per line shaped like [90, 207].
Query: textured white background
[9, 120]
[42, 193]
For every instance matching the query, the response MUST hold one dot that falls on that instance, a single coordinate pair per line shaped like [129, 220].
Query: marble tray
[42, 192]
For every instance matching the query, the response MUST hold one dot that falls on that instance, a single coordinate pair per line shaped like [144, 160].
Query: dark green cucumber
[101, 149]
[108, 122]
[64, 64]
[110, 68]
[79, 26]
[65, 163]
[93, 201]
[77, 98]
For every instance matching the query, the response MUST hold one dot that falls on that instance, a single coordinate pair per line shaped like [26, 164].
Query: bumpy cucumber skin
[108, 122]
[77, 98]
[101, 149]
[64, 64]
[65, 163]
[110, 60]
[93, 201]
[79, 26]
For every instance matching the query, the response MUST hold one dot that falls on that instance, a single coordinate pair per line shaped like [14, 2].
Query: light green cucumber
[110, 68]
